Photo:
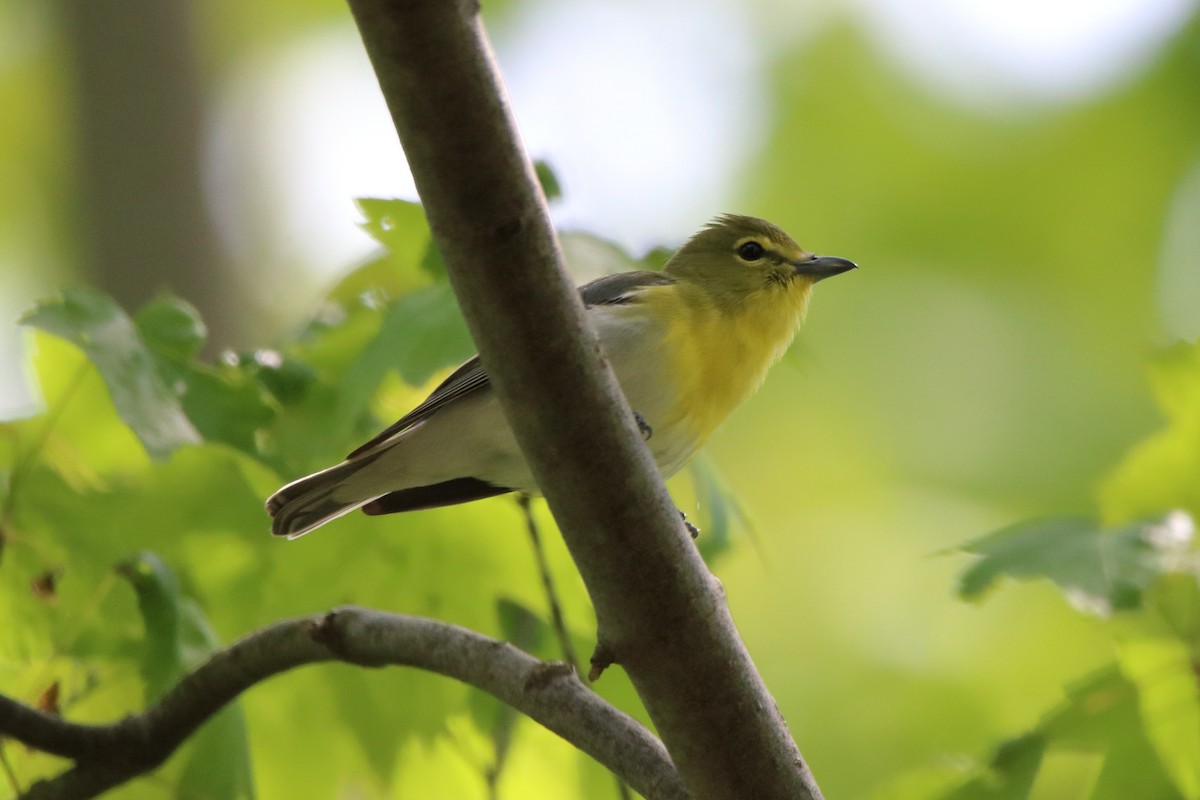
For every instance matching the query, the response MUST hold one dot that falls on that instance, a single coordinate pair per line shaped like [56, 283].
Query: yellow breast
[719, 357]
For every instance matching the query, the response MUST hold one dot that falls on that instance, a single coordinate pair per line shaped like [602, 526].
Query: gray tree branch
[549, 693]
[659, 612]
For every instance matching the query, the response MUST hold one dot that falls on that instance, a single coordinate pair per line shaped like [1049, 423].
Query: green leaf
[1010, 774]
[381, 709]
[1100, 714]
[226, 402]
[398, 225]
[219, 764]
[548, 180]
[386, 316]
[1100, 570]
[720, 510]
[142, 398]
[179, 638]
[425, 332]
[159, 388]
[1098, 711]
[171, 327]
[1158, 663]
[589, 257]
[422, 333]
[922, 783]
[1160, 472]
[432, 262]
[656, 258]
[287, 379]
[520, 626]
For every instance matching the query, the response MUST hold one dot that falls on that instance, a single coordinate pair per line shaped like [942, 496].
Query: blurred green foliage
[1000, 357]
[151, 463]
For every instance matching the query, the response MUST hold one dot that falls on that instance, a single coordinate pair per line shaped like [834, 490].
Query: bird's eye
[750, 251]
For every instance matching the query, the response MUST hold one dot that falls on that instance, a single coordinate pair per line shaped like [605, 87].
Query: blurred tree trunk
[143, 227]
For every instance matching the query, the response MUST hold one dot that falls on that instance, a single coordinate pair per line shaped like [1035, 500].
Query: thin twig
[109, 755]
[557, 617]
[26, 459]
[9, 773]
[556, 614]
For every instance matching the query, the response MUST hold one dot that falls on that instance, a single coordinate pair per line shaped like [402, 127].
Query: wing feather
[470, 378]
[467, 379]
[620, 289]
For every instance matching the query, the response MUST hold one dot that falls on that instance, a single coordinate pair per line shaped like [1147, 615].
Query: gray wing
[467, 379]
[470, 377]
[621, 288]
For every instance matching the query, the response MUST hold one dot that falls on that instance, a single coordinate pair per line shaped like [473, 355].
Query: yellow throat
[719, 357]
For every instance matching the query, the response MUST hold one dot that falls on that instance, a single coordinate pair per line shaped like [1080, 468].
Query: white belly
[634, 346]
[471, 437]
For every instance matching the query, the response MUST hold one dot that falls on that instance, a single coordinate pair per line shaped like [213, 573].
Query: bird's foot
[643, 427]
[692, 529]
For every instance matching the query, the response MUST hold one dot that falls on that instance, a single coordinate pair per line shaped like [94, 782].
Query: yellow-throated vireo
[687, 344]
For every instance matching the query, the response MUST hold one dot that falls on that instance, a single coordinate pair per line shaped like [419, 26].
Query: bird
[687, 344]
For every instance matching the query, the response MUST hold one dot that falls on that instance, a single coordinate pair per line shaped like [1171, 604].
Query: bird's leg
[643, 427]
[647, 432]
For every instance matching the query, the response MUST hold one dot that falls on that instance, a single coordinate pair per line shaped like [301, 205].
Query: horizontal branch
[549, 693]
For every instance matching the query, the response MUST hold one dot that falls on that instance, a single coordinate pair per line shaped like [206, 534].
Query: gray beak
[822, 267]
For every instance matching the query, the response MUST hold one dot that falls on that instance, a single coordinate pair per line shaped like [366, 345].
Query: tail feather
[308, 503]
[436, 495]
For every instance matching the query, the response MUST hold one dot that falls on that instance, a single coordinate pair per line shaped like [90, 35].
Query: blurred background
[1019, 182]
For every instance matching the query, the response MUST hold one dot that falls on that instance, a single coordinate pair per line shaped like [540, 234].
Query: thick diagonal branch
[549, 693]
[660, 613]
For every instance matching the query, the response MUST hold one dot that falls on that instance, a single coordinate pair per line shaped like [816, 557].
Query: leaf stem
[557, 619]
[8, 771]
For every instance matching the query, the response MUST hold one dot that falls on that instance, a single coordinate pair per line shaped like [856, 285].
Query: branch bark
[549, 693]
[659, 611]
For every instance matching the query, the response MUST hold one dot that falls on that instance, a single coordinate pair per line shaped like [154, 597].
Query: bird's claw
[643, 427]
[692, 529]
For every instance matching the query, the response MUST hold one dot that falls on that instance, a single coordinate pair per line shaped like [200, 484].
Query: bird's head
[734, 257]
